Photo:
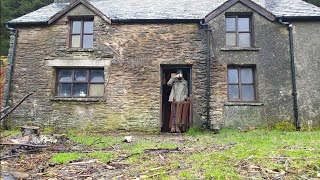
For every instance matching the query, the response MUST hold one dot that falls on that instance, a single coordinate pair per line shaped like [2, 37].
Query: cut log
[29, 130]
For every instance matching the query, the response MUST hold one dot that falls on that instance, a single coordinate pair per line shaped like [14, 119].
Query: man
[179, 93]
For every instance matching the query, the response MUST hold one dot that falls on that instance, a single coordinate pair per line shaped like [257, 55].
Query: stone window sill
[72, 99]
[243, 104]
[240, 49]
[79, 50]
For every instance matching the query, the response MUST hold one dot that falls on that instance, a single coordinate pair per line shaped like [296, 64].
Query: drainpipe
[7, 89]
[293, 76]
[208, 44]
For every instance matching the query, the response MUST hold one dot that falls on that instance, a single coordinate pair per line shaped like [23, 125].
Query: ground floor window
[80, 82]
[241, 83]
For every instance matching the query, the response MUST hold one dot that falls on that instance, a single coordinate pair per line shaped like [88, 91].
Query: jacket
[179, 89]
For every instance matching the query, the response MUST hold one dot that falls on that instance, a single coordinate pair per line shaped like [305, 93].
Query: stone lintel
[243, 104]
[74, 99]
[240, 49]
[78, 63]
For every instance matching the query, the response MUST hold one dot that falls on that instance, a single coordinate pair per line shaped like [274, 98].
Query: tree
[10, 9]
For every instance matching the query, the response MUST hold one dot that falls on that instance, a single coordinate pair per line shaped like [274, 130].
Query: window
[238, 31]
[241, 86]
[81, 34]
[80, 82]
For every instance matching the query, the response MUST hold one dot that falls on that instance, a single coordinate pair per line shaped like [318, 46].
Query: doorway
[166, 72]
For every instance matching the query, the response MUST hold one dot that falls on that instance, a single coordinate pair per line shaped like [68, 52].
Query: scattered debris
[127, 139]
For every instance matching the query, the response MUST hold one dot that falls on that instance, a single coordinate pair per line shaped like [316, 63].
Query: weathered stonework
[307, 54]
[270, 55]
[132, 88]
[132, 55]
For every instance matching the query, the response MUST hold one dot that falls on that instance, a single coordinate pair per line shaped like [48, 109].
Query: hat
[179, 71]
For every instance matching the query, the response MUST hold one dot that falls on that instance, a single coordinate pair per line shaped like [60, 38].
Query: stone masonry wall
[306, 46]
[270, 55]
[132, 78]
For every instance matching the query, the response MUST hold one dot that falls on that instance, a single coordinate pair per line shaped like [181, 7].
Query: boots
[173, 129]
[178, 129]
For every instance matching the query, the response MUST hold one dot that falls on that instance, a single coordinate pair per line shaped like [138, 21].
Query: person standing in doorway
[179, 93]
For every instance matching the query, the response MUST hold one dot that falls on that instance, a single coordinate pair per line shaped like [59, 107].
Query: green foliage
[62, 158]
[315, 2]
[284, 126]
[11, 9]
[95, 140]
[66, 157]
[195, 131]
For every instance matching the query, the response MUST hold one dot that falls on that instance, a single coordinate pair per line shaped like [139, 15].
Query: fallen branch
[29, 145]
[4, 109]
[24, 98]
[7, 157]
[161, 150]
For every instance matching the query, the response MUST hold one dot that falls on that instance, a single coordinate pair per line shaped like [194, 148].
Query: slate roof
[169, 9]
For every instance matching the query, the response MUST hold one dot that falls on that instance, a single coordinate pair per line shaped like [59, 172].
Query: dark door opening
[166, 72]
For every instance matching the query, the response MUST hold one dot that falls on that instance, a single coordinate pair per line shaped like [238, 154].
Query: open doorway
[166, 72]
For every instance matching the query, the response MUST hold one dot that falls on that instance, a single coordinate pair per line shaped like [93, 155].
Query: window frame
[87, 82]
[254, 84]
[237, 32]
[82, 34]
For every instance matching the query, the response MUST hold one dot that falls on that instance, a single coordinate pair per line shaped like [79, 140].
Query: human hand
[178, 76]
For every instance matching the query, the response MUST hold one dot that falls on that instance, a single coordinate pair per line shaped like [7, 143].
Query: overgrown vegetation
[257, 154]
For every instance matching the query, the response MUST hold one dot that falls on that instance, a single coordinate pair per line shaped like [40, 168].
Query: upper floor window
[81, 34]
[80, 82]
[238, 31]
[241, 83]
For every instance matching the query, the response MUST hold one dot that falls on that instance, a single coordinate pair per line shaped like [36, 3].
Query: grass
[227, 155]
[67, 157]
[265, 149]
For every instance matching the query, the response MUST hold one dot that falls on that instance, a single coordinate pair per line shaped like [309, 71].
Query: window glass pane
[76, 27]
[75, 41]
[244, 40]
[247, 92]
[80, 90]
[87, 41]
[231, 39]
[246, 75]
[65, 76]
[80, 75]
[243, 24]
[64, 89]
[233, 75]
[88, 27]
[97, 76]
[96, 90]
[233, 92]
[230, 24]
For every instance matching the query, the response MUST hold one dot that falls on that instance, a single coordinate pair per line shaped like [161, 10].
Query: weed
[61, 158]
[195, 132]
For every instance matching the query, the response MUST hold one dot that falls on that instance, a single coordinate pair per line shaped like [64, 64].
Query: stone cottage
[104, 64]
